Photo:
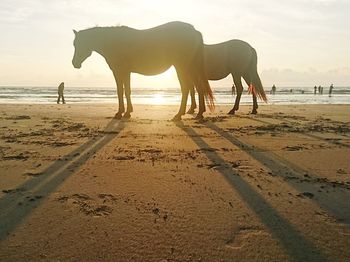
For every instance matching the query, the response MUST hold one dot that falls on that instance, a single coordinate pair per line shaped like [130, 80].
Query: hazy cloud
[299, 34]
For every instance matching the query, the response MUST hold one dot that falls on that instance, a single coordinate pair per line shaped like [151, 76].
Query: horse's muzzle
[76, 65]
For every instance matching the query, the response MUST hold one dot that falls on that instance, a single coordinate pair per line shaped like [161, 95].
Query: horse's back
[233, 56]
[151, 51]
[173, 27]
[173, 37]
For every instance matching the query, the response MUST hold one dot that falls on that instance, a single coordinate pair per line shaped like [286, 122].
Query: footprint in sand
[107, 198]
[20, 117]
[294, 148]
[86, 205]
[245, 235]
[341, 171]
[20, 156]
[13, 191]
[33, 173]
[123, 157]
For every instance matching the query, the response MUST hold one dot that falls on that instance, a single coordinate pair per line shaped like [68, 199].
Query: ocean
[166, 96]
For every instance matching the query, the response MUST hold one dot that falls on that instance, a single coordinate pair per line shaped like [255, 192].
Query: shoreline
[161, 96]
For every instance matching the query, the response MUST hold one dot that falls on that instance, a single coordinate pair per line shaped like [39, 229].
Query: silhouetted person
[273, 89]
[331, 90]
[315, 90]
[319, 89]
[60, 93]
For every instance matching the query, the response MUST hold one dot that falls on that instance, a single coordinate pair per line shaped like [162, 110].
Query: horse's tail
[202, 83]
[255, 86]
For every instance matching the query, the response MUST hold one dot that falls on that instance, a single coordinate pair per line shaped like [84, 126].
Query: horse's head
[81, 50]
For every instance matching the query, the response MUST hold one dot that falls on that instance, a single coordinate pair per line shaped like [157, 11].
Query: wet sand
[78, 185]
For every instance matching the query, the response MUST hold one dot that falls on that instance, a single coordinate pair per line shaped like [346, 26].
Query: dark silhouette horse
[148, 52]
[239, 59]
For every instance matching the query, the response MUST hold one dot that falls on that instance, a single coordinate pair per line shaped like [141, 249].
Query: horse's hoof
[232, 112]
[126, 115]
[176, 118]
[254, 112]
[190, 111]
[118, 116]
[199, 117]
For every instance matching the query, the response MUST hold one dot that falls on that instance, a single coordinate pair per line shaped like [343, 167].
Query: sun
[158, 99]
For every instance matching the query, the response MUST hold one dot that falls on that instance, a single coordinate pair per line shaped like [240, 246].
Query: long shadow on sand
[297, 247]
[335, 201]
[16, 205]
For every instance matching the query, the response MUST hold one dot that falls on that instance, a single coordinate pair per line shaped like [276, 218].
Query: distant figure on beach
[60, 93]
[315, 90]
[320, 90]
[331, 90]
[273, 89]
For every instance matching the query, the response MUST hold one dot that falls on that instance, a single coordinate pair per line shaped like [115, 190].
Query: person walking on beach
[315, 90]
[273, 89]
[60, 93]
[331, 90]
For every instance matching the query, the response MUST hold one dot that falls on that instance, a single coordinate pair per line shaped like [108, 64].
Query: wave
[284, 95]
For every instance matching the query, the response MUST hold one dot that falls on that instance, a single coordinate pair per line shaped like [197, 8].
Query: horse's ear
[75, 32]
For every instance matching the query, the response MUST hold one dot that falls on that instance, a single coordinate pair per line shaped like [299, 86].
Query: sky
[299, 42]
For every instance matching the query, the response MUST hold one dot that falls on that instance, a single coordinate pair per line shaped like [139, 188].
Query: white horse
[148, 52]
[239, 59]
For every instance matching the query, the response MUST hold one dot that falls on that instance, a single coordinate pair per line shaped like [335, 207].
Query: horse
[149, 52]
[239, 59]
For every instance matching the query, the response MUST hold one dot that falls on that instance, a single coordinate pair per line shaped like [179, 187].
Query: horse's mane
[123, 28]
[109, 28]
[97, 33]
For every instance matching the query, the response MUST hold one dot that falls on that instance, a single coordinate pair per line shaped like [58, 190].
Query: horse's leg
[129, 108]
[185, 83]
[193, 101]
[238, 83]
[255, 101]
[120, 93]
[255, 105]
[201, 105]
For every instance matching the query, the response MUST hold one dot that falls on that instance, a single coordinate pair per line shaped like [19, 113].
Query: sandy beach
[78, 185]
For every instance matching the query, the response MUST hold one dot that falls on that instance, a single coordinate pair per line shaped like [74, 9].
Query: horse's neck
[96, 38]
[113, 42]
[102, 39]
